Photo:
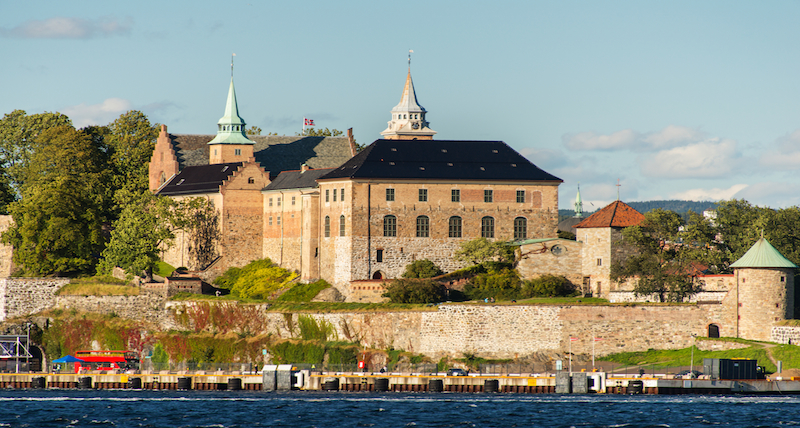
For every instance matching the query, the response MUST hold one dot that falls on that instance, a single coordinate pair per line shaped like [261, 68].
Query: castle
[346, 217]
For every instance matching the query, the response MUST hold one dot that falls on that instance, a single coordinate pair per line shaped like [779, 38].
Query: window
[455, 227]
[390, 226]
[455, 195]
[251, 180]
[270, 201]
[379, 256]
[270, 220]
[293, 199]
[278, 201]
[327, 195]
[713, 330]
[341, 225]
[278, 220]
[327, 226]
[487, 227]
[237, 152]
[389, 195]
[520, 228]
[342, 192]
[520, 196]
[423, 195]
[488, 195]
[599, 262]
[423, 226]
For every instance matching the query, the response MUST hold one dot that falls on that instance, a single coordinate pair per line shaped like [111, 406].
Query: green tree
[199, 218]
[253, 130]
[131, 139]
[414, 291]
[548, 286]
[422, 269]
[58, 222]
[145, 226]
[503, 284]
[313, 132]
[18, 132]
[481, 250]
[661, 263]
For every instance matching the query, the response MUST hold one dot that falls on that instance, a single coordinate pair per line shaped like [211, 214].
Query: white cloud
[69, 28]
[628, 139]
[83, 115]
[708, 159]
[786, 156]
[545, 158]
[714, 194]
[772, 194]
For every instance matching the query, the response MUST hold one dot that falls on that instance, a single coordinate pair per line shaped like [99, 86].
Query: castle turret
[231, 143]
[408, 117]
[764, 290]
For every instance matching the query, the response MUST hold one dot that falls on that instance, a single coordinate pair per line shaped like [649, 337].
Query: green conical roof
[231, 127]
[763, 255]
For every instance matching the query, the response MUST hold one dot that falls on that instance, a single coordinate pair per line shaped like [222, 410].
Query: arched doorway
[377, 275]
[713, 330]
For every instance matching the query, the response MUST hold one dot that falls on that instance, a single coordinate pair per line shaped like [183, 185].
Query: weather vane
[618, 186]
[410, 51]
[232, 55]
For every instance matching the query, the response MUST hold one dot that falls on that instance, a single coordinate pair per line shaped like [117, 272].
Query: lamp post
[691, 360]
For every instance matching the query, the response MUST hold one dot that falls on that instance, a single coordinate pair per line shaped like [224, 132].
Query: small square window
[423, 195]
[520, 196]
[488, 195]
[237, 152]
[455, 195]
[389, 195]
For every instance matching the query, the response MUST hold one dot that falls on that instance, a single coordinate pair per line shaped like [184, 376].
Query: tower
[408, 117]
[231, 143]
[578, 204]
[764, 290]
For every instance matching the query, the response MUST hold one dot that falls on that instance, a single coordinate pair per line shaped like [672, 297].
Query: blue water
[123, 408]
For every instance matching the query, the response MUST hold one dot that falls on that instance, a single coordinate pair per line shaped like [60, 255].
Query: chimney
[352, 142]
[304, 168]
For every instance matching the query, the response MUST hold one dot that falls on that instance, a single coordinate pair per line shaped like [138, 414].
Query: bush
[422, 269]
[303, 292]
[258, 280]
[548, 286]
[414, 291]
[502, 285]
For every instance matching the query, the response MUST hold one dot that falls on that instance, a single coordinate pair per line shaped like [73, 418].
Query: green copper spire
[231, 127]
[578, 203]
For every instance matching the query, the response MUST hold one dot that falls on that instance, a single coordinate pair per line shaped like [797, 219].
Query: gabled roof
[440, 160]
[199, 179]
[763, 255]
[273, 153]
[297, 179]
[615, 214]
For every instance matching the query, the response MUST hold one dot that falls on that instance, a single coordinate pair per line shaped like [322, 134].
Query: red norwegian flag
[573, 339]
[309, 122]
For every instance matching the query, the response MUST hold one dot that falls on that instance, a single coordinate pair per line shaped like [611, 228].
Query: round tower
[764, 287]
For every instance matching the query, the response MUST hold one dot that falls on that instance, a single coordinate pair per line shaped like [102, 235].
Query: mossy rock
[330, 294]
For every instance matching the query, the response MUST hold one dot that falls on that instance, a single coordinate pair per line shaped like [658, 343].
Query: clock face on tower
[415, 125]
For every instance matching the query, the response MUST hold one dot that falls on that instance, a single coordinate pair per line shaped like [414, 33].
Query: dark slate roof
[199, 179]
[297, 179]
[274, 153]
[440, 159]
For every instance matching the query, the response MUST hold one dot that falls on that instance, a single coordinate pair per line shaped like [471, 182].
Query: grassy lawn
[98, 286]
[789, 354]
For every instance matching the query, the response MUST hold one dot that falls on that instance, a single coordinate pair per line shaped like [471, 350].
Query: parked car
[686, 374]
[456, 372]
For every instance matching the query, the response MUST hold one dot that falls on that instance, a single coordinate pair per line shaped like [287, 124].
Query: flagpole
[304, 125]
[570, 355]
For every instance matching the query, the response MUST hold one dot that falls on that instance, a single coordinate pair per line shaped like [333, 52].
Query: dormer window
[225, 169]
[181, 182]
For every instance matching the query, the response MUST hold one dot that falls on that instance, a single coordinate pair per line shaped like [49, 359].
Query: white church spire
[408, 117]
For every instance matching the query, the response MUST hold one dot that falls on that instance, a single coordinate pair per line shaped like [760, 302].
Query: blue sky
[676, 100]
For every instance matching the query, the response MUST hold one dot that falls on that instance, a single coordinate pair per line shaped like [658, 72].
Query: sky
[647, 100]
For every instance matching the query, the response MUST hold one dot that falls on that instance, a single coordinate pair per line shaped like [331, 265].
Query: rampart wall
[23, 296]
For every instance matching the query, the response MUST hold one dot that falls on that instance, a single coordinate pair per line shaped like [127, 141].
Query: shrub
[548, 286]
[303, 292]
[422, 269]
[297, 353]
[502, 285]
[258, 280]
[310, 329]
[414, 291]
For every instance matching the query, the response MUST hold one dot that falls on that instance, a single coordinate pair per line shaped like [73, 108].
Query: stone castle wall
[147, 307]
[541, 258]
[23, 296]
